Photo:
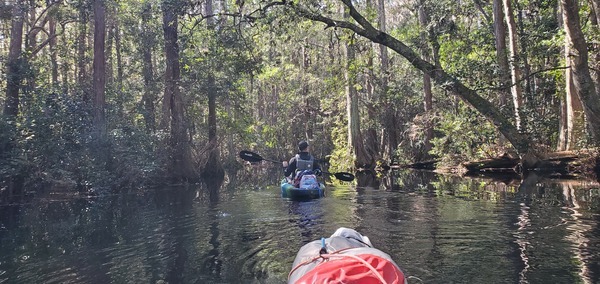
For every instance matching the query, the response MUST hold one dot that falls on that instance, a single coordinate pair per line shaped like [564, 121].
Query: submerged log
[424, 165]
[564, 163]
[500, 165]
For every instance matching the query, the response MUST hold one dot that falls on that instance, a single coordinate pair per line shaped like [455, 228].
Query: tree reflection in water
[439, 228]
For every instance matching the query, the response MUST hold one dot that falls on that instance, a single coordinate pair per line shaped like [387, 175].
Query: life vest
[303, 165]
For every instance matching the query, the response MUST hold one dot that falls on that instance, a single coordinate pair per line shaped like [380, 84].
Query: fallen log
[424, 165]
[500, 165]
[564, 163]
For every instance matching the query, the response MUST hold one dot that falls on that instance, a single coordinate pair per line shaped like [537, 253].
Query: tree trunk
[355, 139]
[99, 67]
[172, 54]
[64, 68]
[389, 129]
[308, 126]
[214, 167]
[515, 72]
[501, 58]
[526, 68]
[148, 40]
[118, 54]
[180, 166]
[501, 53]
[53, 52]
[595, 49]
[81, 47]
[30, 39]
[14, 65]
[110, 37]
[372, 98]
[427, 91]
[230, 134]
[116, 82]
[582, 78]
[34, 26]
[522, 143]
[572, 119]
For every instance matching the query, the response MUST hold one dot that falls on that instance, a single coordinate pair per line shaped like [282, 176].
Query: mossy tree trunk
[180, 165]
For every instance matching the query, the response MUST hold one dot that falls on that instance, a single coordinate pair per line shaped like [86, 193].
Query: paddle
[343, 176]
[254, 157]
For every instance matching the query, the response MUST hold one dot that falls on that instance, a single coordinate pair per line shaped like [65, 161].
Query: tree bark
[582, 78]
[64, 67]
[180, 166]
[515, 72]
[99, 67]
[115, 69]
[595, 49]
[53, 54]
[501, 53]
[14, 65]
[31, 35]
[522, 143]
[81, 47]
[372, 98]
[110, 45]
[147, 42]
[213, 169]
[305, 91]
[501, 58]
[355, 139]
[389, 127]
[427, 89]
[118, 54]
[572, 119]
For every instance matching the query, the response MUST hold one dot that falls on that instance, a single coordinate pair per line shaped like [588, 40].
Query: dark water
[438, 229]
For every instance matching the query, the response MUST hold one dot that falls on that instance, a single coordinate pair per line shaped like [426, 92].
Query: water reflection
[441, 229]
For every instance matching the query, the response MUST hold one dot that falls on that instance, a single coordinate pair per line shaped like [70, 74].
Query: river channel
[439, 229]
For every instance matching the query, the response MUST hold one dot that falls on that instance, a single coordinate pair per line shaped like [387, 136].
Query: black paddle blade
[250, 156]
[344, 176]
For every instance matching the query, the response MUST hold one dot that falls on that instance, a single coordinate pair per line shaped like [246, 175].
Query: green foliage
[11, 164]
[52, 136]
[341, 157]
[55, 148]
[279, 78]
[463, 136]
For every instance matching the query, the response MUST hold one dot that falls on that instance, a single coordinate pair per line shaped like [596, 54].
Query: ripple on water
[255, 235]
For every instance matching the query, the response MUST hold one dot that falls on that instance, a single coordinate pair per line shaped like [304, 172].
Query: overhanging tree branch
[520, 142]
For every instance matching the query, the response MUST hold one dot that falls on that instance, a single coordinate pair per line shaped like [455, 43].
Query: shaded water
[438, 229]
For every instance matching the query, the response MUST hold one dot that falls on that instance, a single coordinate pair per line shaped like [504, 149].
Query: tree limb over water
[521, 142]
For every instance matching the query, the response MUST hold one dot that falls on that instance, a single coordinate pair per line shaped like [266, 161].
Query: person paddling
[302, 161]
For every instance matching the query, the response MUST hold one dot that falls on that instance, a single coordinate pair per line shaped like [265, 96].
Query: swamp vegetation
[103, 96]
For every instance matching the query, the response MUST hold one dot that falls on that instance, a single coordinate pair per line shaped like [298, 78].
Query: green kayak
[290, 191]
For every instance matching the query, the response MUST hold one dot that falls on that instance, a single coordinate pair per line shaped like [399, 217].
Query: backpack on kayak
[306, 180]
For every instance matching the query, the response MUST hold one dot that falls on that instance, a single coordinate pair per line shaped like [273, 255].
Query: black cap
[302, 145]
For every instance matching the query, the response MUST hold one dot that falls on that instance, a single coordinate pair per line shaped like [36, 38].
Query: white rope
[368, 265]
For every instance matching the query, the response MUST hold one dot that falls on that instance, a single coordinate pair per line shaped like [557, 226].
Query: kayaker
[303, 160]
